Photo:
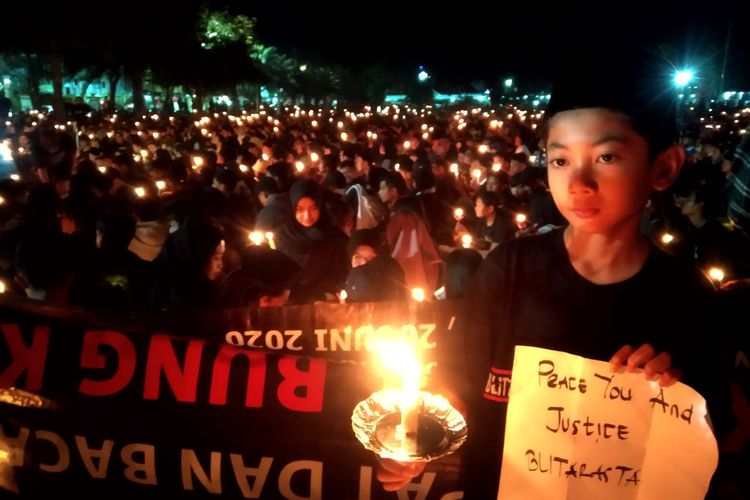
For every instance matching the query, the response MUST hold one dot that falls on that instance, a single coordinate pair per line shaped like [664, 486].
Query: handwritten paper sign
[575, 430]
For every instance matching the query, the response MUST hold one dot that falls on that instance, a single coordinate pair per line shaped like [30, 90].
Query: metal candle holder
[441, 428]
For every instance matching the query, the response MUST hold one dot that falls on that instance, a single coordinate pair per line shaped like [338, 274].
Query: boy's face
[599, 169]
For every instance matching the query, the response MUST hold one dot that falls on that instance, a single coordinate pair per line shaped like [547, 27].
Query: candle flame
[466, 241]
[667, 238]
[256, 238]
[716, 274]
[418, 294]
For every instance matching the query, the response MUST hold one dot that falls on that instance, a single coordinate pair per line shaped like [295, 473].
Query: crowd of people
[158, 212]
[126, 214]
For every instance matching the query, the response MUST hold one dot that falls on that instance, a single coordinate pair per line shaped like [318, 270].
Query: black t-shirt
[501, 230]
[528, 293]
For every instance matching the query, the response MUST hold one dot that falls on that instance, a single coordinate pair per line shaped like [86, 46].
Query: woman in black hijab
[309, 240]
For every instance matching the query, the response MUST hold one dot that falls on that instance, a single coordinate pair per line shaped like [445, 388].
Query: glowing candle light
[716, 274]
[256, 238]
[271, 241]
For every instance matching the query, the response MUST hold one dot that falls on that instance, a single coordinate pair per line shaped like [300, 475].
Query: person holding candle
[313, 243]
[495, 225]
[597, 288]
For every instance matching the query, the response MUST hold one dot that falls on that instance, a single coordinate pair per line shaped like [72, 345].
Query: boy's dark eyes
[607, 157]
[557, 162]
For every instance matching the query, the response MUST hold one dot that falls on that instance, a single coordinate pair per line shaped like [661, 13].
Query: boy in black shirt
[596, 288]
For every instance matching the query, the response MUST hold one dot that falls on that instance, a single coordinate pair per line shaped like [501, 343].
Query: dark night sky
[464, 41]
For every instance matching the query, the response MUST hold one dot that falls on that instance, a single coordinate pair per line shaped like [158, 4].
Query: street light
[508, 82]
[423, 75]
[683, 77]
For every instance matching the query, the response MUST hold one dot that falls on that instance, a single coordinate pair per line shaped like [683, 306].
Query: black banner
[242, 404]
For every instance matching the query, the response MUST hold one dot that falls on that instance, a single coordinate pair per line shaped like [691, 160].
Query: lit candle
[15, 177]
[402, 373]
[103, 170]
[342, 297]
[344, 136]
[271, 241]
[244, 168]
[483, 148]
[140, 192]
[477, 173]
[454, 169]
[2, 287]
[2, 200]
[407, 145]
[532, 159]
[496, 167]
[425, 136]
[314, 123]
[197, 162]
[716, 274]
[417, 294]
[161, 185]
[409, 405]
[265, 156]
[300, 166]
[256, 238]
[521, 220]
[458, 213]
[667, 238]
[466, 241]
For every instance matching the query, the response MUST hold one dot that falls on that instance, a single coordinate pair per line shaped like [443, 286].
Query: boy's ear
[666, 167]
